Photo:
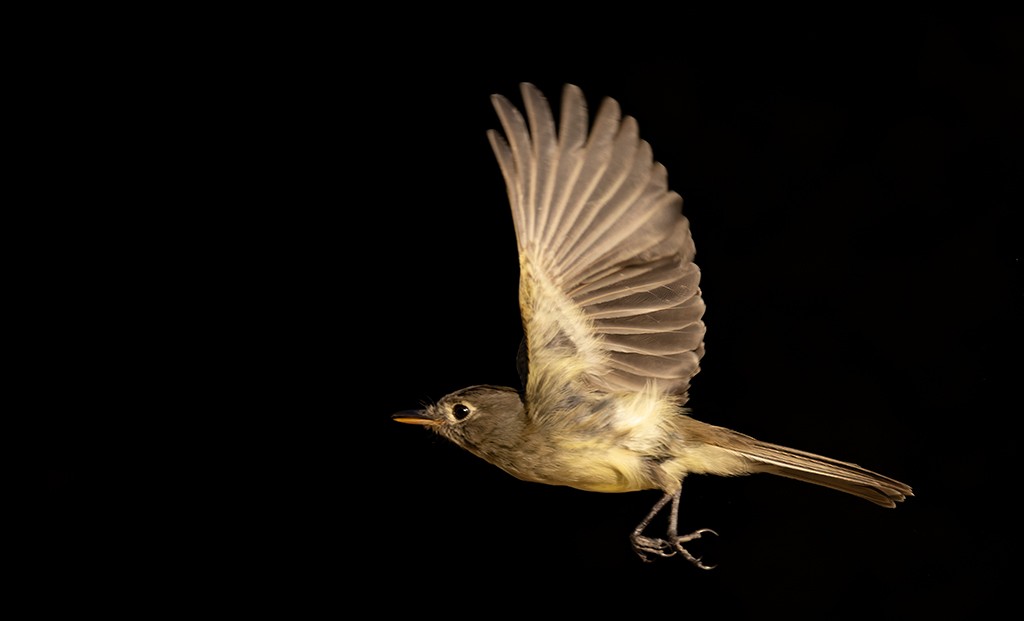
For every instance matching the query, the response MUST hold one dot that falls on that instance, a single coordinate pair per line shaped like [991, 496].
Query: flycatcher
[612, 316]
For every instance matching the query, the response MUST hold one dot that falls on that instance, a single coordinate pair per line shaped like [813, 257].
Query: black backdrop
[292, 241]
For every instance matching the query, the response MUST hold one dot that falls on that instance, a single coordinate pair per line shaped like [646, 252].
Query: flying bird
[613, 333]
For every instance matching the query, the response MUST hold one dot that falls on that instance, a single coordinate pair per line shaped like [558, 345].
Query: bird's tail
[811, 468]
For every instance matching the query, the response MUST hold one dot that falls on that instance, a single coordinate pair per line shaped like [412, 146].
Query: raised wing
[608, 289]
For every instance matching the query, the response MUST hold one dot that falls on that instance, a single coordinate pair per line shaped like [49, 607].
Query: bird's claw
[669, 547]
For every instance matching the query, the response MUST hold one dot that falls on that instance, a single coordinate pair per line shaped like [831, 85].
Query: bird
[613, 330]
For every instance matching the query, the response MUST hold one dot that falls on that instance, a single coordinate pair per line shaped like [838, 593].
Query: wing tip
[499, 100]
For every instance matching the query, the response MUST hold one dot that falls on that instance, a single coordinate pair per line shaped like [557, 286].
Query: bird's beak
[414, 417]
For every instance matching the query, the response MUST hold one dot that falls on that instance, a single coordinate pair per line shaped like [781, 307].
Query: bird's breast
[613, 443]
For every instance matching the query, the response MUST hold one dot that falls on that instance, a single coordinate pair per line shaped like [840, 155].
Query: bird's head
[485, 420]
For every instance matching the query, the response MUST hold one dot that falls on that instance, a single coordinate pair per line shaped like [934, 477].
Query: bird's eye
[460, 411]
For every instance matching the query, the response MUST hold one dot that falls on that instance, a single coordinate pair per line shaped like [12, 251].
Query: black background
[270, 247]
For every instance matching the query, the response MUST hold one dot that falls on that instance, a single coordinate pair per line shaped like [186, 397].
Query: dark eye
[460, 411]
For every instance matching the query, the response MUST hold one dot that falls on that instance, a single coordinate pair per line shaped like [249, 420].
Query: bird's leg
[673, 542]
[678, 541]
[644, 545]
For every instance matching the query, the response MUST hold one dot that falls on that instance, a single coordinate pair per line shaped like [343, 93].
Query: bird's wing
[608, 289]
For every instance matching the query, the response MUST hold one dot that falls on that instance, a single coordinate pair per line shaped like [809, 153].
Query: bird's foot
[669, 547]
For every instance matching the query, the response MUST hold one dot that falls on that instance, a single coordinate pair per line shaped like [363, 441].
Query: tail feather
[820, 470]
